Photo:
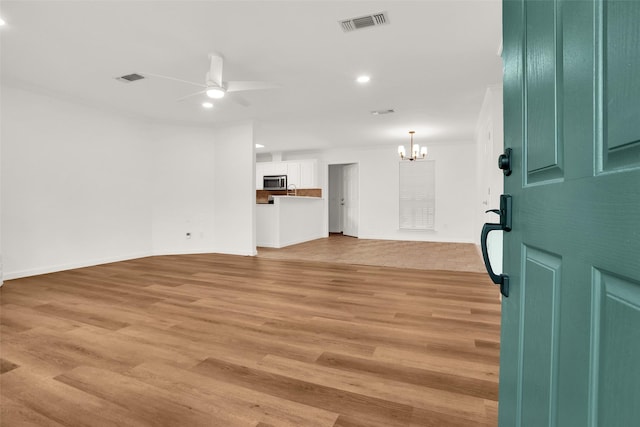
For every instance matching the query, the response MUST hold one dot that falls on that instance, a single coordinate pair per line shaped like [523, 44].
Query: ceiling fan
[214, 87]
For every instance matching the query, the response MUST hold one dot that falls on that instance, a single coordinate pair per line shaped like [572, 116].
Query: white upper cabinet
[293, 174]
[259, 175]
[308, 174]
[301, 173]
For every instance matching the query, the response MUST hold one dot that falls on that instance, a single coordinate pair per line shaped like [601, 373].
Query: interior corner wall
[75, 185]
[490, 179]
[379, 190]
[1, 270]
[234, 189]
[83, 186]
[182, 188]
[203, 189]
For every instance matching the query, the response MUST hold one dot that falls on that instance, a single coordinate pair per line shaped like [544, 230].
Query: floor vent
[130, 78]
[364, 21]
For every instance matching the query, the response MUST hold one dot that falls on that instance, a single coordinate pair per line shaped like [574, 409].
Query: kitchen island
[289, 220]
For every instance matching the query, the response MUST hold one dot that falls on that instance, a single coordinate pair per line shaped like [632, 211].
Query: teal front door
[570, 349]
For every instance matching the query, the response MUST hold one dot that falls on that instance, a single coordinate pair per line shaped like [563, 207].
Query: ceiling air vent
[381, 112]
[130, 78]
[364, 21]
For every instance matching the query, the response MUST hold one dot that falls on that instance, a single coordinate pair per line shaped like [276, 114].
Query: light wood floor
[218, 340]
[388, 253]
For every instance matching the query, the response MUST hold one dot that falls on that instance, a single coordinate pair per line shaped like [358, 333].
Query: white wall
[83, 186]
[379, 178]
[203, 184]
[489, 179]
[234, 189]
[75, 185]
[1, 270]
[182, 185]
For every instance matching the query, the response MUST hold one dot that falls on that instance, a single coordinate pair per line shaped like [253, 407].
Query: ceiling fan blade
[240, 86]
[240, 100]
[190, 95]
[215, 71]
[172, 78]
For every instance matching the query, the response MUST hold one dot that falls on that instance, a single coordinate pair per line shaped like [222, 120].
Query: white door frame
[328, 195]
[335, 197]
[351, 200]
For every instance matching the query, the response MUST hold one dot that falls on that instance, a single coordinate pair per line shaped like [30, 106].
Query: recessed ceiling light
[207, 105]
[259, 146]
[363, 79]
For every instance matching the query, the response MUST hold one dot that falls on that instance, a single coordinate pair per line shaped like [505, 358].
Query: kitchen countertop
[297, 197]
[262, 196]
[290, 197]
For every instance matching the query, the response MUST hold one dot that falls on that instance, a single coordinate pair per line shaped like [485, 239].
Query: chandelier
[415, 153]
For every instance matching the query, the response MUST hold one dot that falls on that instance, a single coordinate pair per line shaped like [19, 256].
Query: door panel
[543, 144]
[539, 346]
[616, 346]
[621, 68]
[336, 199]
[570, 349]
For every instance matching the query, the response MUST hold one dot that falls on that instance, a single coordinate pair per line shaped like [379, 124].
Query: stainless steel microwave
[274, 182]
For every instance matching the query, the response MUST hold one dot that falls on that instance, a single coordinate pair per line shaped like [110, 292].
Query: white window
[417, 195]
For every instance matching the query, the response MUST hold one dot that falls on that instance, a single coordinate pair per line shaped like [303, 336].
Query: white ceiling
[432, 63]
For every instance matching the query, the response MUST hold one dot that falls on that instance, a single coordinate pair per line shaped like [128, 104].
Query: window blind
[417, 195]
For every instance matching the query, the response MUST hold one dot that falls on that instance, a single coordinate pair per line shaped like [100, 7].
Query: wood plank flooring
[388, 253]
[220, 340]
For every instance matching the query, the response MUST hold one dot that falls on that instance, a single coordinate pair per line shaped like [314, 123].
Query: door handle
[503, 225]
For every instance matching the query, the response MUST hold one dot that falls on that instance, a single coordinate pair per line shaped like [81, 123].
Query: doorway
[343, 195]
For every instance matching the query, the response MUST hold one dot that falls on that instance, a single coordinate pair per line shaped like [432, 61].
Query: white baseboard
[404, 238]
[70, 266]
[203, 251]
[296, 241]
[73, 265]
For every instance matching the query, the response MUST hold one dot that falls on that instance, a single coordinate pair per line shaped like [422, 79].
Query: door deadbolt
[504, 162]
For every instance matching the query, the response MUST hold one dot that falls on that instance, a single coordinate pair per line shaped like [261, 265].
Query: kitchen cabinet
[293, 174]
[308, 174]
[301, 173]
[289, 220]
[260, 167]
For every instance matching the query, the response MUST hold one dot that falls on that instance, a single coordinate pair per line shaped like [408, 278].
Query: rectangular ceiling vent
[364, 22]
[381, 112]
[130, 78]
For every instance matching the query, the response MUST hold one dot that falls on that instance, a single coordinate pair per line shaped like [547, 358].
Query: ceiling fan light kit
[213, 87]
[215, 92]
